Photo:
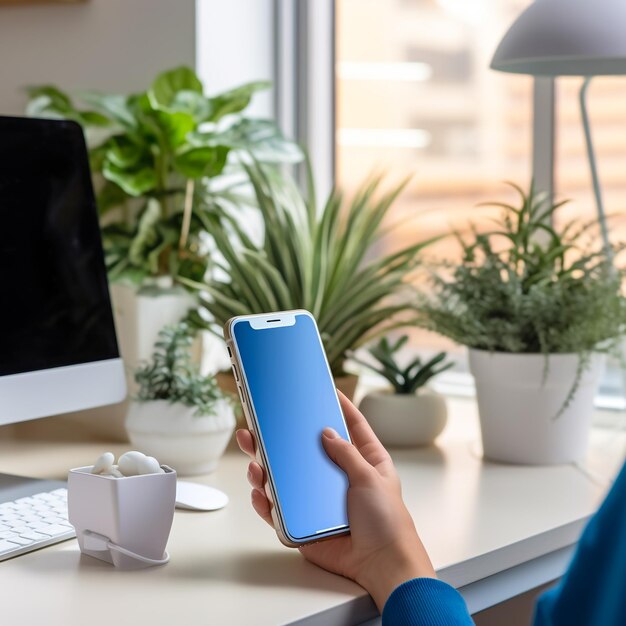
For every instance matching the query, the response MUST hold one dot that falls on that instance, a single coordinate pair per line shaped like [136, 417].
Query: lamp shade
[566, 38]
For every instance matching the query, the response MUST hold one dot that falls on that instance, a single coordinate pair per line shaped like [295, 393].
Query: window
[415, 96]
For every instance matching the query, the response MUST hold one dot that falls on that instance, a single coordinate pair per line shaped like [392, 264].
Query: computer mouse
[195, 497]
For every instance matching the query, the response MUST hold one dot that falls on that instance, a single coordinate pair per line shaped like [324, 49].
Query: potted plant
[409, 413]
[159, 158]
[318, 260]
[536, 305]
[178, 415]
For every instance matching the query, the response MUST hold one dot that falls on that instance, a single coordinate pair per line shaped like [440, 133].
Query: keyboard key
[54, 530]
[6, 546]
[20, 541]
[33, 536]
[7, 534]
[46, 497]
[26, 500]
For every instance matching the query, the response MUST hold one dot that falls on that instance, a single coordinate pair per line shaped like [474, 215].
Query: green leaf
[48, 101]
[166, 86]
[110, 196]
[123, 153]
[194, 104]
[133, 182]
[197, 162]
[174, 126]
[112, 106]
[56, 99]
[235, 100]
[260, 138]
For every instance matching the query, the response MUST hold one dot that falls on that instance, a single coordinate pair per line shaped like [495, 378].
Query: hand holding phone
[289, 397]
[383, 549]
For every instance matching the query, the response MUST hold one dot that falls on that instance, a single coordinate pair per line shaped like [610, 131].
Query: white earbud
[131, 463]
[103, 463]
[128, 462]
[148, 465]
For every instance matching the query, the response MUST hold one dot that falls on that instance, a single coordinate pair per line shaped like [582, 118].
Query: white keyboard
[34, 522]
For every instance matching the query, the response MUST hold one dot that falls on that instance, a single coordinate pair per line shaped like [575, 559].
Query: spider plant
[323, 261]
[404, 380]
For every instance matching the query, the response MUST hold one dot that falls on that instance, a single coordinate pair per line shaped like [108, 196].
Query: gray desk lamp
[569, 38]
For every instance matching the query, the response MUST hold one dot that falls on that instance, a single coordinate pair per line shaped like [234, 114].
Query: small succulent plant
[170, 375]
[405, 380]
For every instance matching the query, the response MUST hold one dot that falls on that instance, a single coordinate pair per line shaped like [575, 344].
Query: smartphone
[288, 397]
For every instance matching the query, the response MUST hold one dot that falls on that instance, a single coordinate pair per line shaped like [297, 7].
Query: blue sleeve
[425, 602]
[593, 590]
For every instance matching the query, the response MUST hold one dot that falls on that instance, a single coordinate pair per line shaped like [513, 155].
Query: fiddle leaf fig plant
[155, 154]
[408, 379]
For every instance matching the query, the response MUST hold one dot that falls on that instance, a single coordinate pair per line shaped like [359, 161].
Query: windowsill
[610, 403]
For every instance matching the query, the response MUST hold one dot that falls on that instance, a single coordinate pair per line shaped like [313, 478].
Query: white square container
[134, 512]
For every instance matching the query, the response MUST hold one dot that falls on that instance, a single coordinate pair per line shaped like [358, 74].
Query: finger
[362, 434]
[246, 442]
[347, 457]
[256, 476]
[262, 506]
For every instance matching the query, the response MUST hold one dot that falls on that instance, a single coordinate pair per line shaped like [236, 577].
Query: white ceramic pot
[405, 420]
[519, 404]
[133, 512]
[174, 435]
[140, 314]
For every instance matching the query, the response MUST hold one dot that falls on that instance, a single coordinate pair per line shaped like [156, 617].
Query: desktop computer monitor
[58, 349]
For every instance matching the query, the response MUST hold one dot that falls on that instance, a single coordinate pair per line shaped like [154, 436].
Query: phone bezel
[259, 321]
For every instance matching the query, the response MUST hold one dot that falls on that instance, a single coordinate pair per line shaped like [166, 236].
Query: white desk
[493, 531]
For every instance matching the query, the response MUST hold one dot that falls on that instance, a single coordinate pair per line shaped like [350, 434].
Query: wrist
[384, 574]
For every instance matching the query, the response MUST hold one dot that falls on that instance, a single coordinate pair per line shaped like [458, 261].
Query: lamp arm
[594, 169]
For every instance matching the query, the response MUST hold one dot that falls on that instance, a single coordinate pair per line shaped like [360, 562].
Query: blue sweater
[591, 593]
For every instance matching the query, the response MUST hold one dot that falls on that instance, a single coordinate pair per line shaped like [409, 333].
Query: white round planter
[519, 404]
[172, 434]
[405, 420]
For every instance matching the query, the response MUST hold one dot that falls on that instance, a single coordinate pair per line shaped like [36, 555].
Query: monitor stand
[14, 487]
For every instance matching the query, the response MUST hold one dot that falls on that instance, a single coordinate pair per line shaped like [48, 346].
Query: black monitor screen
[54, 300]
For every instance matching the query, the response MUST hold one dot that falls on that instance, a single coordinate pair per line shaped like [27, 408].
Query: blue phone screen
[294, 399]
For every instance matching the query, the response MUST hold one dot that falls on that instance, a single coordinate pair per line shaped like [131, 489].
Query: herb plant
[528, 287]
[321, 261]
[170, 374]
[155, 154]
[404, 380]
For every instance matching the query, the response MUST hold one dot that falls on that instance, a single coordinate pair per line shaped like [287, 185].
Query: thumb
[346, 457]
